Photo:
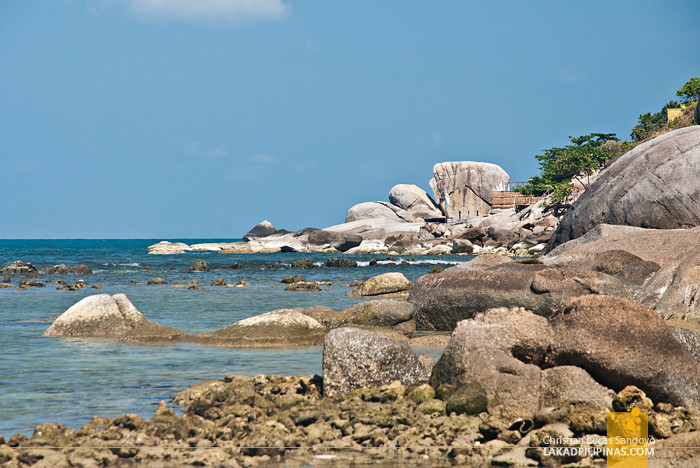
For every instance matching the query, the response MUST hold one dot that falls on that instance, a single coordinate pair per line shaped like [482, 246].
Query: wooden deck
[508, 199]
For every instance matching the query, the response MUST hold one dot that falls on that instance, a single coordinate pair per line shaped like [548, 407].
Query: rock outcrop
[354, 358]
[443, 299]
[621, 342]
[108, 316]
[414, 200]
[469, 185]
[19, 267]
[341, 241]
[503, 350]
[279, 328]
[378, 209]
[655, 185]
[262, 229]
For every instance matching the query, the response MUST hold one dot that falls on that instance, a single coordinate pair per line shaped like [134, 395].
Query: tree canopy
[559, 165]
[690, 91]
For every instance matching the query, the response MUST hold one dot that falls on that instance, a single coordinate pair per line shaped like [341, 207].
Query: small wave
[398, 262]
[99, 271]
[135, 264]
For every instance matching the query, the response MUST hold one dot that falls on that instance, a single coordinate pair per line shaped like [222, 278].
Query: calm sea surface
[67, 381]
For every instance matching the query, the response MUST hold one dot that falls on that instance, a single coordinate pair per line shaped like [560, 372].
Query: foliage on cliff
[589, 153]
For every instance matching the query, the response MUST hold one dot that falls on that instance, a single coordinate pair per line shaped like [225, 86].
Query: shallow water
[68, 381]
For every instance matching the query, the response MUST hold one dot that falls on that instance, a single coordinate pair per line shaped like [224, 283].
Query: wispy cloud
[257, 165]
[199, 150]
[570, 74]
[262, 158]
[230, 12]
[436, 138]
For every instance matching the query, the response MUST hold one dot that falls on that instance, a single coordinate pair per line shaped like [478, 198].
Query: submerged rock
[279, 328]
[199, 265]
[19, 267]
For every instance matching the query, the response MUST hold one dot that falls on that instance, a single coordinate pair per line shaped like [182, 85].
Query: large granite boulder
[279, 328]
[341, 241]
[655, 185]
[108, 316]
[689, 339]
[355, 358]
[469, 185]
[443, 299]
[503, 350]
[414, 200]
[262, 229]
[621, 342]
[378, 209]
[674, 291]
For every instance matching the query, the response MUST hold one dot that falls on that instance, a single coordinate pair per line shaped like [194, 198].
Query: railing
[510, 199]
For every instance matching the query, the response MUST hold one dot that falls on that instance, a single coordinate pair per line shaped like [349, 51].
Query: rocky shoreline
[603, 316]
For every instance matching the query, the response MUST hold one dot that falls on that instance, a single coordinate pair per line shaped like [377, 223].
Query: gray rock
[469, 185]
[689, 339]
[341, 241]
[378, 209]
[380, 313]
[621, 342]
[484, 350]
[674, 291]
[613, 262]
[279, 328]
[467, 399]
[655, 185]
[414, 200]
[263, 229]
[443, 299]
[354, 358]
[108, 316]
[568, 384]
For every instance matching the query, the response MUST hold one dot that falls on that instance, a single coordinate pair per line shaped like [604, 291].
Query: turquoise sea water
[67, 381]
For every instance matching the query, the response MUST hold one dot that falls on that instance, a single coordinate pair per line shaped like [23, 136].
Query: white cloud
[436, 138]
[304, 166]
[262, 158]
[232, 12]
[199, 150]
[258, 166]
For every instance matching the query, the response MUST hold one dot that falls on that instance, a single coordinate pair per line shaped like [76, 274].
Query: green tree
[558, 166]
[650, 124]
[690, 91]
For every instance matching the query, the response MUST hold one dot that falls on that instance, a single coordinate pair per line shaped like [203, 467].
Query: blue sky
[200, 118]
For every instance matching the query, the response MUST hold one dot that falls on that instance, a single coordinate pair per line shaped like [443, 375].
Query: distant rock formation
[469, 186]
[263, 229]
[415, 200]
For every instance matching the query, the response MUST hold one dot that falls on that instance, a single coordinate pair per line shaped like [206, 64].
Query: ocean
[69, 380]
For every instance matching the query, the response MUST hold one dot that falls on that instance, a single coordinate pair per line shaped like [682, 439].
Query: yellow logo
[628, 439]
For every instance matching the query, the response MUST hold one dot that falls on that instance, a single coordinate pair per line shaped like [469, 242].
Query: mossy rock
[420, 392]
[432, 406]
